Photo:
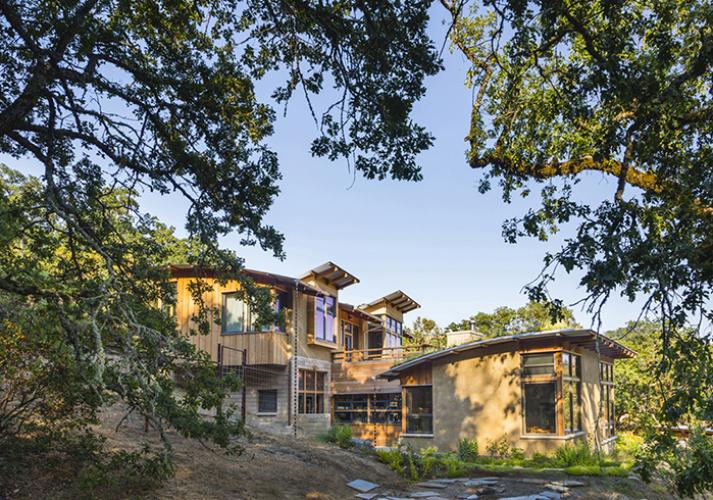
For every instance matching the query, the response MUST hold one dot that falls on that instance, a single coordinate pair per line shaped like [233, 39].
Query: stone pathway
[472, 488]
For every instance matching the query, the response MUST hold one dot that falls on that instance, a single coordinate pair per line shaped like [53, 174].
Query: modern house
[330, 362]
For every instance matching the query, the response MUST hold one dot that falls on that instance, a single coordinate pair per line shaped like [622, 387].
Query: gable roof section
[333, 275]
[582, 338]
[398, 300]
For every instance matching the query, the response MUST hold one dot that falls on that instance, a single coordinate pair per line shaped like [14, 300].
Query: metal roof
[398, 300]
[582, 338]
[333, 275]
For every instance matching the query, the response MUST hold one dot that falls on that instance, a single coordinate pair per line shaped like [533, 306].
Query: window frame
[562, 382]
[303, 392]
[606, 393]
[248, 320]
[318, 315]
[260, 393]
[407, 413]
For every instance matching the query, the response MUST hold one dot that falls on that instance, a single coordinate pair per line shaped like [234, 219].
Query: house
[331, 362]
[538, 390]
[299, 376]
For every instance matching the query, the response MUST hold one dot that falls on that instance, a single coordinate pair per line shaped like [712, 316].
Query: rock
[467, 496]
[557, 487]
[423, 494]
[445, 480]
[527, 497]
[362, 486]
[571, 483]
[530, 480]
[551, 495]
[432, 484]
[488, 481]
[365, 496]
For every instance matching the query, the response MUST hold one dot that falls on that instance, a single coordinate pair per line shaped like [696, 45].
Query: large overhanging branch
[646, 181]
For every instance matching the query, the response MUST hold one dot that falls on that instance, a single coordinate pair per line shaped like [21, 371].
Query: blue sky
[438, 240]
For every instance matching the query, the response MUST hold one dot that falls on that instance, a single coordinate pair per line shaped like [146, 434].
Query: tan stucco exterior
[480, 397]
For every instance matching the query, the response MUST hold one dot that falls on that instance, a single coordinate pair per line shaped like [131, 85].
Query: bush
[341, 435]
[468, 450]
[501, 448]
[575, 454]
[628, 444]
[392, 458]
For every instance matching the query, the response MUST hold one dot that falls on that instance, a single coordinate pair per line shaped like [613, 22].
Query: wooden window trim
[404, 415]
[559, 379]
[302, 393]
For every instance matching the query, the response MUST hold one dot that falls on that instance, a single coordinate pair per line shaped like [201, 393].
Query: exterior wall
[481, 398]
[262, 347]
[311, 425]
[277, 423]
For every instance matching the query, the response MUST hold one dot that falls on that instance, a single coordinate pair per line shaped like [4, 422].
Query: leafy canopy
[114, 98]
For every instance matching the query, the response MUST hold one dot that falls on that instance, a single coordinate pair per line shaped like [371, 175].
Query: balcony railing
[378, 354]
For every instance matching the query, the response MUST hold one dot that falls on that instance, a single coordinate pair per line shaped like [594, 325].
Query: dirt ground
[279, 467]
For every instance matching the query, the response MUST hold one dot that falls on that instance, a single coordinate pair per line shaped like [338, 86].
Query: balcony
[260, 348]
[356, 371]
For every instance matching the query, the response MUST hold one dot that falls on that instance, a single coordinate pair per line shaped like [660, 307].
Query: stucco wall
[480, 398]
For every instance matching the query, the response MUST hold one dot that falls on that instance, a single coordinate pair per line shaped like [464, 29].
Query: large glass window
[540, 408]
[382, 409]
[572, 392]
[236, 316]
[394, 330]
[419, 410]
[324, 318]
[311, 391]
[543, 385]
[606, 373]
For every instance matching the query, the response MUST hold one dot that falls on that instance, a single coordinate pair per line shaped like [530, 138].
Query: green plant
[502, 448]
[628, 444]
[468, 450]
[596, 470]
[575, 454]
[392, 458]
[341, 435]
[429, 461]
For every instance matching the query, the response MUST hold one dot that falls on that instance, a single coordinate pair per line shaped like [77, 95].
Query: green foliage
[531, 317]
[468, 450]
[628, 444]
[393, 458]
[502, 448]
[341, 435]
[568, 91]
[568, 455]
[597, 470]
[425, 331]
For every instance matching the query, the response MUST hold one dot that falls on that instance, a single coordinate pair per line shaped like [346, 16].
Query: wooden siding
[268, 348]
[358, 378]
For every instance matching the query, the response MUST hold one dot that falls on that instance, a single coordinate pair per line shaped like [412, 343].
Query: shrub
[501, 448]
[341, 435]
[468, 450]
[392, 458]
[628, 444]
[575, 454]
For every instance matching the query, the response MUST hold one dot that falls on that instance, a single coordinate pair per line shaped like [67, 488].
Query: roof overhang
[360, 313]
[261, 277]
[333, 275]
[586, 339]
[398, 300]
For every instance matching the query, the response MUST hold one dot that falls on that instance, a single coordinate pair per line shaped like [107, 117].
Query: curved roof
[583, 338]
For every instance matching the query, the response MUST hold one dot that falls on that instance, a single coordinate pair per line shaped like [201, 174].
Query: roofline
[412, 303]
[360, 312]
[547, 334]
[315, 272]
[259, 276]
